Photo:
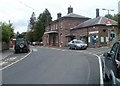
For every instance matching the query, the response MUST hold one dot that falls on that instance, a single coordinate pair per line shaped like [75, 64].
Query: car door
[110, 59]
[72, 44]
[118, 61]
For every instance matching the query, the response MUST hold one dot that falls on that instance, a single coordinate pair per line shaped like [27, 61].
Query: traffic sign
[108, 22]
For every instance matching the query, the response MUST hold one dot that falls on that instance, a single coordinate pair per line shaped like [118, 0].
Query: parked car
[21, 45]
[111, 64]
[77, 44]
[35, 43]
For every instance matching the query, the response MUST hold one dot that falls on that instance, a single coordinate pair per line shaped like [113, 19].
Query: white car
[77, 44]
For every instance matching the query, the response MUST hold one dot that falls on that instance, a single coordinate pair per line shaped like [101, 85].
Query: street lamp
[108, 25]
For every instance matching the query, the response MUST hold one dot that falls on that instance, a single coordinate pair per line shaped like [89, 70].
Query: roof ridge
[100, 20]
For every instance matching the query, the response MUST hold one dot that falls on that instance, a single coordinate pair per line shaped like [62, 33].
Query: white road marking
[16, 61]
[101, 74]
[35, 50]
[100, 63]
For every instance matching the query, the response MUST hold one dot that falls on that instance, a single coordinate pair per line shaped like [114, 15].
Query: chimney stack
[97, 13]
[59, 15]
[70, 10]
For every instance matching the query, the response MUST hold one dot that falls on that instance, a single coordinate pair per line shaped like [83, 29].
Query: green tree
[32, 21]
[109, 16]
[115, 17]
[7, 32]
[37, 26]
[43, 19]
[31, 28]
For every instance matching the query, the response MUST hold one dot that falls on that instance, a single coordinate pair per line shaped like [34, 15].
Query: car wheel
[16, 51]
[75, 48]
[69, 47]
[105, 77]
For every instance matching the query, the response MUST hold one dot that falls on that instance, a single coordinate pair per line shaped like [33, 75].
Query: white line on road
[100, 64]
[101, 74]
[16, 61]
[35, 50]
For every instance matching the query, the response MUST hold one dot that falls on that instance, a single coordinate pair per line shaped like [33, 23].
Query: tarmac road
[51, 66]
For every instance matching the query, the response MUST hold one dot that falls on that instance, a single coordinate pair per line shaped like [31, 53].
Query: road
[54, 66]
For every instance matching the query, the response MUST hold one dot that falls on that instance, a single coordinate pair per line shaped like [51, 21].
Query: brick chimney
[70, 10]
[97, 13]
[59, 15]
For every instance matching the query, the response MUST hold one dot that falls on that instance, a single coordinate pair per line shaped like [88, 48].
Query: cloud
[20, 11]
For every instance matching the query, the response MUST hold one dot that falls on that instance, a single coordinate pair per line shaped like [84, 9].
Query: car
[21, 45]
[77, 44]
[111, 64]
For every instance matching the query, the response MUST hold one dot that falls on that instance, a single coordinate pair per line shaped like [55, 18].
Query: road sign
[108, 22]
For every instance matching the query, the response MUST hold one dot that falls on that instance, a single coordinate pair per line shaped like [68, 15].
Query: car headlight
[79, 45]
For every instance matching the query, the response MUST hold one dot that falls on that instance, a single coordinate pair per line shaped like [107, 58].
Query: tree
[31, 28]
[32, 21]
[109, 16]
[7, 32]
[115, 17]
[43, 19]
[38, 26]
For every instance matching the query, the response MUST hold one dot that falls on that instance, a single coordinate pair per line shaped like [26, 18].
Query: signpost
[108, 23]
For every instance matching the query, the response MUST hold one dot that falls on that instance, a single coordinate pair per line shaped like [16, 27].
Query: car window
[72, 41]
[114, 50]
[77, 42]
[118, 53]
[19, 41]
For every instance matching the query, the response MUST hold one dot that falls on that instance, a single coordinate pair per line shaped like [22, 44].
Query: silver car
[77, 44]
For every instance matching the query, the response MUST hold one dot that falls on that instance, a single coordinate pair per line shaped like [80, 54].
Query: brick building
[95, 32]
[58, 32]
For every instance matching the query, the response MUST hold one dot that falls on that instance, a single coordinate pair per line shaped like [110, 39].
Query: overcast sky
[20, 11]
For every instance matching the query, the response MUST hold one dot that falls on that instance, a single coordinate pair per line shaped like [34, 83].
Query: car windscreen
[20, 41]
[78, 42]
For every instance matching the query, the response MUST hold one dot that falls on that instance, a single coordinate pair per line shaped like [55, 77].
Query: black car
[21, 45]
[111, 65]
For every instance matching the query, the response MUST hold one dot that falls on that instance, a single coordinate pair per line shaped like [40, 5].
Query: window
[118, 53]
[114, 50]
[112, 35]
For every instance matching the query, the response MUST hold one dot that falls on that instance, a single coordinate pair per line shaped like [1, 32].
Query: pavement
[6, 53]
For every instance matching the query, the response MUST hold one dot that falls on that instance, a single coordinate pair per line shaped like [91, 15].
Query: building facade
[58, 32]
[95, 32]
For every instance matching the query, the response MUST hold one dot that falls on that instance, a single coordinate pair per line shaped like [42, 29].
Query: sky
[20, 11]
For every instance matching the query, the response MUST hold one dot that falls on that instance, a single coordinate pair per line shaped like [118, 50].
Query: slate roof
[94, 22]
[72, 15]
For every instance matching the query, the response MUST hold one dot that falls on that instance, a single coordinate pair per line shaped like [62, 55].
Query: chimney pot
[59, 15]
[97, 13]
[70, 10]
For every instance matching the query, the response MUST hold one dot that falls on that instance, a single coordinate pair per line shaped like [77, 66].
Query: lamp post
[108, 24]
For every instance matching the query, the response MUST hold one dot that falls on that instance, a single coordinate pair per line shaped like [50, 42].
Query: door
[110, 59]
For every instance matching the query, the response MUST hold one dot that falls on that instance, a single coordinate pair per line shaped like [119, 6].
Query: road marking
[16, 61]
[99, 59]
[35, 50]
[101, 74]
